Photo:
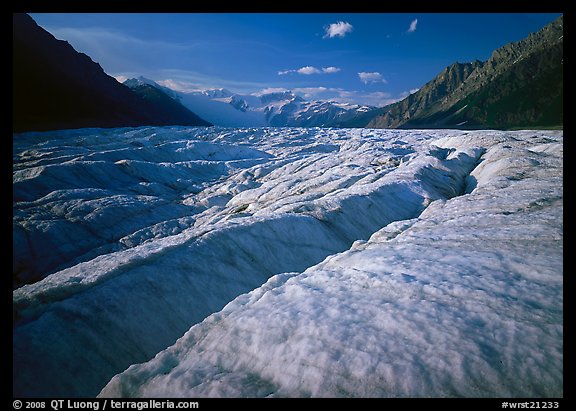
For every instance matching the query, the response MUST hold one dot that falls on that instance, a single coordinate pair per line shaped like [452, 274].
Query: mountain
[56, 87]
[301, 113]
[520, 85]
[170, 110]
[278, 109]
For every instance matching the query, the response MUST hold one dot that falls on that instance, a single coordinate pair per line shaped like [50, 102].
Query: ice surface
[78, 196]
[291, 262]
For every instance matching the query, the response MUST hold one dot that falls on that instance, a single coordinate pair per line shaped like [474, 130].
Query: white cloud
[120, 78]
[413, 25]
[339, 95]
[371, 77]
[269, 90]
[330, 70]
[188, 80]
[307, 70]
[314, 92]
[339, 29]
[376, 98]
[183, 86]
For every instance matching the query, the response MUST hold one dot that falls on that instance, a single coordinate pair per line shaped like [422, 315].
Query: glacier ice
[289, 262]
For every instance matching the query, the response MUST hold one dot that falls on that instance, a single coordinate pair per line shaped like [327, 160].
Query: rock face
[55, 87]
[520, 85]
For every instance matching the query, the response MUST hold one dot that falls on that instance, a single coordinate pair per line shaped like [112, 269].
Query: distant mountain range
[520, 85]
[278, 109]
[55, 87]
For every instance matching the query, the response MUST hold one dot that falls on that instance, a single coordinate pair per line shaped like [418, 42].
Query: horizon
[368, 59]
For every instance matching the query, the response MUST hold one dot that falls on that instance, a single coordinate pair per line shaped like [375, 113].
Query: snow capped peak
[143, 81]
[279, 96]
[147, 81]
[140, 81]
[217, 93]
[270, 90]
[346, 106]
[277, 107]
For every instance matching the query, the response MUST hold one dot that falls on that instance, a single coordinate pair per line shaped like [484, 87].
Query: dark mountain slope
[521, 85]
[171, 110]
[55, 87]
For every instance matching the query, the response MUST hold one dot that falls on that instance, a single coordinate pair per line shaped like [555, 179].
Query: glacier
[287, 262]
[275, 108]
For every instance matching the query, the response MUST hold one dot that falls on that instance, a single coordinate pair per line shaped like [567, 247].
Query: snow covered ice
[285, 262]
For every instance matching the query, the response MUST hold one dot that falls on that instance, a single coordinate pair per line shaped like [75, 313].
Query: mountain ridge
[282, 108]
[56, 87]
[520, 85]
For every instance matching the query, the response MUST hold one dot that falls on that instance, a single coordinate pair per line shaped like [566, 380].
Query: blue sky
[374, 58]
